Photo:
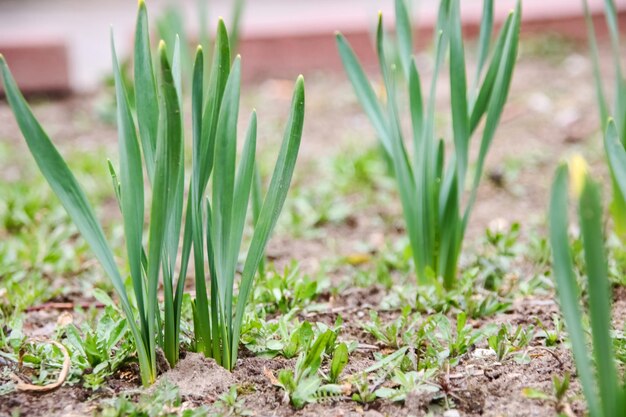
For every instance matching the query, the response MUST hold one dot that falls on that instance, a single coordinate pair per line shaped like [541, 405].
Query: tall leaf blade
[224, 183]
[364, 91]
[567, 287]
[220, 72]
[243, 187]
[130, 187]
[146, 99]
[599, 290]
[404, 33]
[166, 177]
[194, 229]
[458, 94]
[484, 39]
[274, 201]
[73, 198]
[496, 104]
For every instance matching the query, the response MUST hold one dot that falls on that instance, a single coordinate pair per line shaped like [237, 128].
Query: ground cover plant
[161, 143]
[432, 186]
[334, 322]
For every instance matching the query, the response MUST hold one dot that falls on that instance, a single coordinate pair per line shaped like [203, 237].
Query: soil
[551, 113]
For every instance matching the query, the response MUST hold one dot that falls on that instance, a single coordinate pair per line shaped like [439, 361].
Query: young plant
[618, 111]
[432, 187]
[604, 392]
[213, 226]
[305, 384]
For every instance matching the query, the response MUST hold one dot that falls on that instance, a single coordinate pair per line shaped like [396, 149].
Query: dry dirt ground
[551, 113]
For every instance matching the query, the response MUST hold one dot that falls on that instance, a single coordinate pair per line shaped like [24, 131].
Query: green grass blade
[166, 176]
[404, 33]
[174, 218]
[131, 187]
[220, 72]
[402, 166]
[416, 105]
[479, 105]
[146, 100]
[496, 105]
[484, 39]
[274, 201]
[616, 155]
[73, 198]
[217, 321]
[197, 94]
[203, 28]
[116, 183]
[599, 290]
[449, 247]
[458, 94]
[595, 60]
[243, 186]
[364, 91]
[611, 20]
[194, 228]
[567, 287]
[224, 185]
[235, 28]
[257, 203]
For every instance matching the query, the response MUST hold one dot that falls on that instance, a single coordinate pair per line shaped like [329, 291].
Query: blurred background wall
[67, 40]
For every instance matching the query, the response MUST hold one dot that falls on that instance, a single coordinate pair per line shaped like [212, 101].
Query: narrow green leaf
[599, 290]
[274, 201]
[217, 83]
[496, 104]
[484, 39]
[567, 287]
[364, 91]
[145, 90]
[73, 198]
[458, 94]
[235, 27]
[131, 187]
[404, 33]
[243, 186]
[595, 59]
[224, 185]
[480, 103]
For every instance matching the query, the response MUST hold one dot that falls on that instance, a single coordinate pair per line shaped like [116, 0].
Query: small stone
[451, 413]
[483, 353]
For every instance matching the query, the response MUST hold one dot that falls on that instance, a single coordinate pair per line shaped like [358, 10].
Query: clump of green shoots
[595, 365]
[213, 224]
[618, 111]
[432, 187]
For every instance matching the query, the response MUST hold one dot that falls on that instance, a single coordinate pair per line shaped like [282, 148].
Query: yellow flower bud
[578, 169]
